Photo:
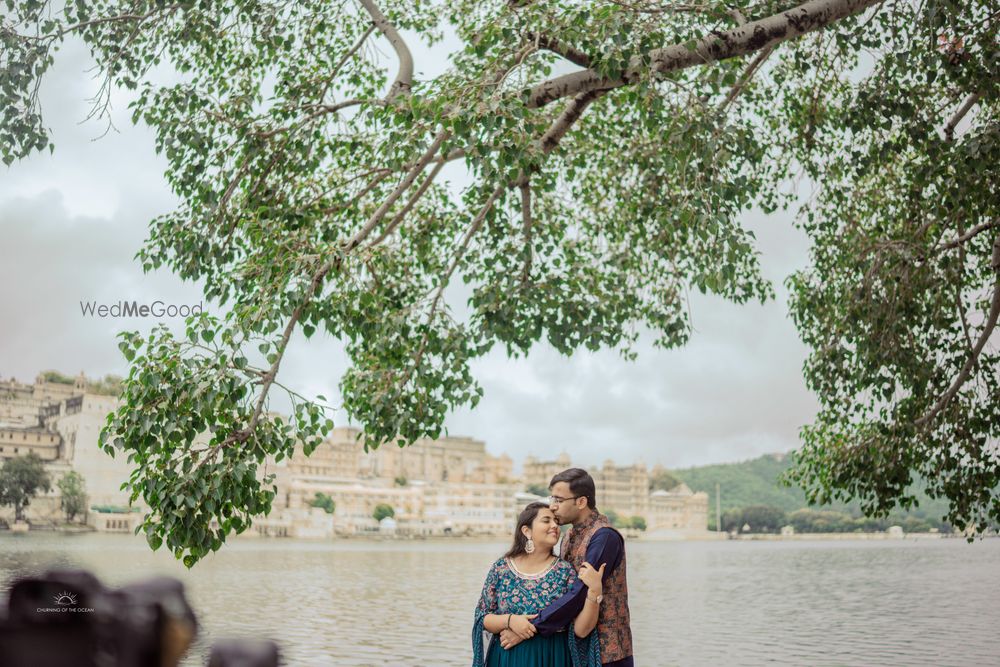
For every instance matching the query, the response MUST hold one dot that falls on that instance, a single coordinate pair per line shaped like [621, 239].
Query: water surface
[353, 602]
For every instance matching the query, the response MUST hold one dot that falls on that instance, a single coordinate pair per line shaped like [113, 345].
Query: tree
[903, 293]
[538, 490]
[324, 501]
[912, 524]
[612, 148]
[764, 519]
[732, 520]
[637, 522]
[73, 494]
[400, 481]
[57, 377]
[110, 385]
[663, 480]
[382, 511]
[21, 478]
[760, 518]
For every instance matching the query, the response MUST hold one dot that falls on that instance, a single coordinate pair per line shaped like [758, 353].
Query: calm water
[693, 603]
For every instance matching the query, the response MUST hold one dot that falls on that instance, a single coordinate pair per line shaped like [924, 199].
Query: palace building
[448, 485]
[625, 490]
[59, 421]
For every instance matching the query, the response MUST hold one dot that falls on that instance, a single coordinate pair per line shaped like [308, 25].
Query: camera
[68, 618]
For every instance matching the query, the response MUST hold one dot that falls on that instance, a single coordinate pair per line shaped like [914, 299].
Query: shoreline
[769, 537]
[699, 537]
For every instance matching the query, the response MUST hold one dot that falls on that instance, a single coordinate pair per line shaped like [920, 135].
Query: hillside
[754, 482]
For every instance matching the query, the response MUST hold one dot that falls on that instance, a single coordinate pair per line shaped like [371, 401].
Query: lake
[354, 602]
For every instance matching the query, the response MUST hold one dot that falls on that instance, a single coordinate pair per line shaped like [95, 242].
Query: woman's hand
[522, 626]
[509, 639]
[592, 578]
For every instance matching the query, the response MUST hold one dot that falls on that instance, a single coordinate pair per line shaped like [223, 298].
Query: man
[591, 539]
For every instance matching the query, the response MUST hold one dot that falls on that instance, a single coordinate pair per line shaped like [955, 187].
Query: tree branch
[417, 168]
[984, 336]
[380, 175]
[959, 302]
[560, 126]
[549, 140]
[398, 218]
[415, 171]
[477, 222]
[268, 377]
[949, 129]
[320, 110]
[659, 9]
[737, 16]
[747, 75]
[105, 19]
[404, 78]
[347, 56]
[574, 55]
[968, 235]
[748, 38]
[526, 229]
[463, 246]
[454, 154]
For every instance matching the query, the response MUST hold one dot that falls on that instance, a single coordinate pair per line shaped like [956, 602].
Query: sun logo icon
[65, 598]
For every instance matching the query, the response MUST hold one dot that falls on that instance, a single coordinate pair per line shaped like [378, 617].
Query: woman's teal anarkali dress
[508, 591]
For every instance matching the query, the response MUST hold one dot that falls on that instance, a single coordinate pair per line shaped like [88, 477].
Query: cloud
[96, 175]
[50, 261]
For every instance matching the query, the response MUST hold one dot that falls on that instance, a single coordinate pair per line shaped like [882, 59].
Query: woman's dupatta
[585, 651]
[487, 605]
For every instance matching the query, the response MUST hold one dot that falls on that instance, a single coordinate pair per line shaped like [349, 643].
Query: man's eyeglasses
[556, 500]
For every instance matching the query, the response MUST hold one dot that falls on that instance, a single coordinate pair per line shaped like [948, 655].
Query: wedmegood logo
[136, 309]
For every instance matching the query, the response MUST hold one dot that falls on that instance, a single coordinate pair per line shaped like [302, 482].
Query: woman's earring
[530, 546]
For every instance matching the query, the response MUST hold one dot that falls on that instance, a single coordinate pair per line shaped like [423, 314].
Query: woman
[520, 585]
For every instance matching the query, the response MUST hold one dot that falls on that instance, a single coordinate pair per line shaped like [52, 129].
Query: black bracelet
[508, 621]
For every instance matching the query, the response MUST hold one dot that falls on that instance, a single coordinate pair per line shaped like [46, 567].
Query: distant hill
[755, 482]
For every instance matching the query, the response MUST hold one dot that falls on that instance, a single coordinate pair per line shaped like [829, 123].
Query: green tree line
[768, 519]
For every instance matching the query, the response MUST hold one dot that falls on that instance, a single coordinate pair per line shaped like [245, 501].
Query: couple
[541, 610]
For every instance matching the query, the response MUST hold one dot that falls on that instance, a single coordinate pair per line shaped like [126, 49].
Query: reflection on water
[693, 603]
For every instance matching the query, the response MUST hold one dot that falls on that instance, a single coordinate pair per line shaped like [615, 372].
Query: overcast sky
[71, 222]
